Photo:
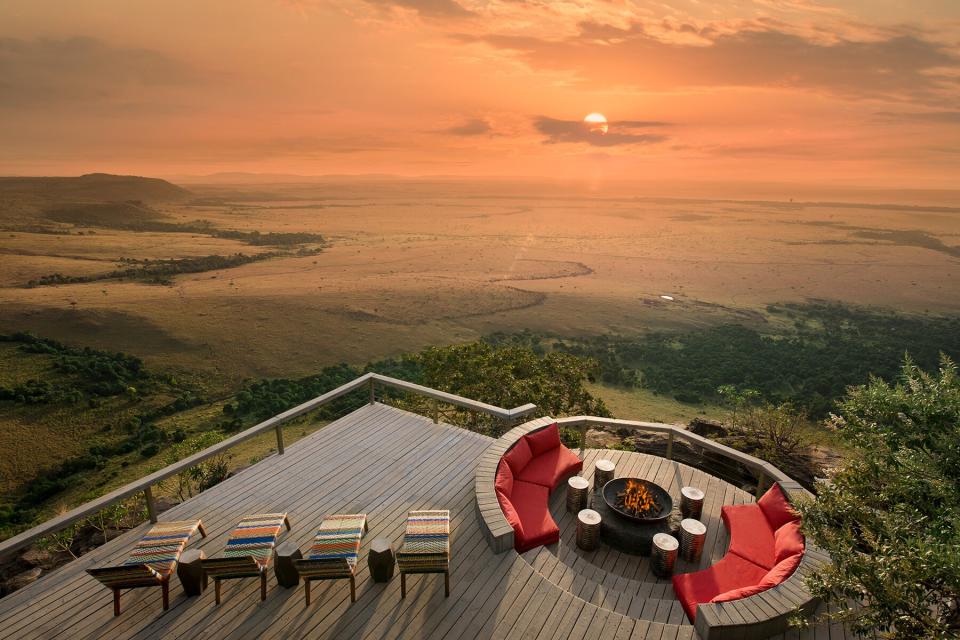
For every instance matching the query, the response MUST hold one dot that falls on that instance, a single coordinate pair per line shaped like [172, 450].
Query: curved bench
[758, 584]
[526, 468]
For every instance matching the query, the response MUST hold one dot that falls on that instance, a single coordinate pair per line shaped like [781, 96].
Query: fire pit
[638, 500]
[633, 511]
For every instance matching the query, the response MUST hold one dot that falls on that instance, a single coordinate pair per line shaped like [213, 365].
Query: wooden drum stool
[663, 554]
[691, 502]
[602, 474]
[692, 534]
[577, 487]
[190, 572]
[588, 529]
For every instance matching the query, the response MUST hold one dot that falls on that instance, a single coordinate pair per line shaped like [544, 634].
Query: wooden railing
[368, 381]
[764, 471]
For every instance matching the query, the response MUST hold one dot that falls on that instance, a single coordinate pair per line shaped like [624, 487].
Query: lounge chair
[249, 551]
[334, 553]
[426, 547]
[152, 562]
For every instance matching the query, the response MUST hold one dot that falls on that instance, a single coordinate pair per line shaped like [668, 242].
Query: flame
[637, 499]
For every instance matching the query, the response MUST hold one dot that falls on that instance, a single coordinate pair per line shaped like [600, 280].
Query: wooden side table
[577, 489]
[692, 535]
[190, 572]
[588, 529]
[691, 502]
[380, 560]
[284, 555]
[602, 474]
[663, 554]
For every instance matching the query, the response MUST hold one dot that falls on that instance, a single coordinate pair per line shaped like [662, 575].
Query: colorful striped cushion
[337, 542]
[249, 549]
[426, 543]
[161, 547]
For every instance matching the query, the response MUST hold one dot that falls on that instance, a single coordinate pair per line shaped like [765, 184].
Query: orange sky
[844, 92]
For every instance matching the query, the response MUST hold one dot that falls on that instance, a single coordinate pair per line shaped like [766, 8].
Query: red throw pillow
[742, 592]
[544, 439]
[504, 480]
[783, 570]
[776, 507]
[788, 541]
[518, 456]
[510, 513]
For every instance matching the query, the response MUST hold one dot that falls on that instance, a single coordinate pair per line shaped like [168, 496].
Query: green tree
[890, 518]
[508, 376]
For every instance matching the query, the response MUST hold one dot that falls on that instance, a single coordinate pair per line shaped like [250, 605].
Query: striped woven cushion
[338, 539]
[426, 543]
[162, 546]
[255, 537]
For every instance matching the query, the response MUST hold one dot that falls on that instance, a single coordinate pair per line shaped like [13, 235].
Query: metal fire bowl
[612, 488]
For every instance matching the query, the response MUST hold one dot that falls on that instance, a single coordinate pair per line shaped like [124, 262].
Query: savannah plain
[405, 264]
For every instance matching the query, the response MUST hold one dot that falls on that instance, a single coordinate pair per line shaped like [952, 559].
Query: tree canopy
[890, 518]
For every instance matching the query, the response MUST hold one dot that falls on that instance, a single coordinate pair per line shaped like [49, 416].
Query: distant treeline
[135, 216]
[821, 350]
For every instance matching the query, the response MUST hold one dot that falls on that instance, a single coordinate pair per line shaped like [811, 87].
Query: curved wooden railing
[368, 381]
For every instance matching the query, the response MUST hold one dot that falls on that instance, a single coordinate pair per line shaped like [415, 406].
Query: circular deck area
[623, 582]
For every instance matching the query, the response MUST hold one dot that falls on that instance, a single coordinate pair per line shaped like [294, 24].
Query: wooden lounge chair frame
[238, 567]
[138, 576]
[311, 569]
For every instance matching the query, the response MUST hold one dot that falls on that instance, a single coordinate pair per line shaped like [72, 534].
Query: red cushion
[504, 480]
[518, 456]
[531, 504]
[510, 513]
[788, 541]
[783, 570]
[776, 507]
[750, 534]
[731, 572]
[543, 440]
[549, 469]
[742, 592]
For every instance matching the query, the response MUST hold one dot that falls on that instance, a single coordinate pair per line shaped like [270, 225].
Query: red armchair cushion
[550, 468]
[543, 440]
[510, 513]
[731, 572]
[742, 592]
[788, 541]
[751, 537]
[531, 504]
[783, 570]
[504, 480]
[518, 456]
[776, 507]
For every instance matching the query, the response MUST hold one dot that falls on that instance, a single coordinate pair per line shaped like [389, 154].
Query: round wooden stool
[577, 487]
[191, 573]
[692, 534]
[380, 560]
[663, 554]
[588, 529]
[691, 502]
[602, 474]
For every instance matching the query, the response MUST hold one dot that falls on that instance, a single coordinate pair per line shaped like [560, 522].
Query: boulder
[21, 580]
[35, 557]
[707, 428]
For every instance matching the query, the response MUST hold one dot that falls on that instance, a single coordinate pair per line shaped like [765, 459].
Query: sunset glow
[849, 91]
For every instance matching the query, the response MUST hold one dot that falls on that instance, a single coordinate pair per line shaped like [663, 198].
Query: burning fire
[637, 500]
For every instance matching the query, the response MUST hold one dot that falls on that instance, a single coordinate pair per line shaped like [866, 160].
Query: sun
[596, 123]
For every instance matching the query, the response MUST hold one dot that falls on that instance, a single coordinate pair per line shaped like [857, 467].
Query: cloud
[472, 127]
[898, 64]
[936, 117]
[575, 131]
[62, 73]
[431, 8]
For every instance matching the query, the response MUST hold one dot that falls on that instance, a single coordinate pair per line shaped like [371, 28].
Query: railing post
[436, 411]
[670, 446]
[151, 504]
[280, 439]
[373, 393]
[761, 483]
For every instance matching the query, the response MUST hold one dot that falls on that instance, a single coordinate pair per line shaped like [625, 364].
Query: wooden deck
[384, 462]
